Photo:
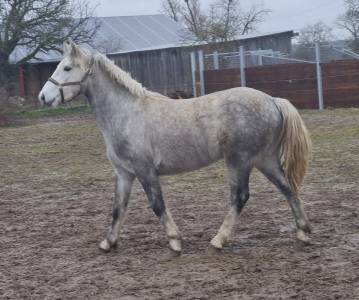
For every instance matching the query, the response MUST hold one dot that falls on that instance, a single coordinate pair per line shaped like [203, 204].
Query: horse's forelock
[77, 54]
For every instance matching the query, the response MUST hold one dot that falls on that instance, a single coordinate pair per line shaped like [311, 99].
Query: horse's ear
[70, 47]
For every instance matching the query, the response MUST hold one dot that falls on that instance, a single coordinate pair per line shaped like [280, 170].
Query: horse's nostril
[42, 97]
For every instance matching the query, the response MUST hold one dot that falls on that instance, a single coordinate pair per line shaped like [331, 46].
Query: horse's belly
[184, 160]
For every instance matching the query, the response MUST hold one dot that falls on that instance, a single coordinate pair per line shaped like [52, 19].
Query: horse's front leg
[151, 184]
[124, 182]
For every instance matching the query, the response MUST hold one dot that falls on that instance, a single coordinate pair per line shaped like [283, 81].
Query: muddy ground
[55, 201]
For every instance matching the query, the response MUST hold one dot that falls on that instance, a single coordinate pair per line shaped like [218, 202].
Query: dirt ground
[55, 200]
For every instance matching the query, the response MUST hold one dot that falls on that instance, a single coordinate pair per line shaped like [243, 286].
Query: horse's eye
[67, 68]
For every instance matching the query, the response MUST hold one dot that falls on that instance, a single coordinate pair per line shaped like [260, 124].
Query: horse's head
[67, 81]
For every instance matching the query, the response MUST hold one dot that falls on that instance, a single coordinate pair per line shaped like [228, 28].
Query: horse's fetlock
[175, 236]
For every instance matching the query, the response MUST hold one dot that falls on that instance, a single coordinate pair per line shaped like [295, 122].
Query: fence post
[21, 82]
[215, 60]
[242, 65]
[260, 58]
[319, 76]
[193, 71]
[201, 71]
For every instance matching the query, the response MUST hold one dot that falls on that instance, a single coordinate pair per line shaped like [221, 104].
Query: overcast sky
[285, 15]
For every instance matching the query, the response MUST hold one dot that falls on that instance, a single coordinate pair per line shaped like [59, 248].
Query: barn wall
[282, 43]
[279, 42]
[35, 77]
[165, 71]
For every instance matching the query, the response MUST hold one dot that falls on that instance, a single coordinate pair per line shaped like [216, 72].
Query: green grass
[49, 112]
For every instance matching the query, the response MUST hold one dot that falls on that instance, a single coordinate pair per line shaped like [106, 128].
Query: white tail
[296, 146]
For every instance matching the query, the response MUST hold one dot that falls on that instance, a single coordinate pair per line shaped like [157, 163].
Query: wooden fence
[296, 82]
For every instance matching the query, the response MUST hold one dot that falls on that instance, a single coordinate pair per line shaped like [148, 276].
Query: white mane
[123, 78]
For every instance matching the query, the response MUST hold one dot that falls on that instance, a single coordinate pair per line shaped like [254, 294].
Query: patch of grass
[49, 112]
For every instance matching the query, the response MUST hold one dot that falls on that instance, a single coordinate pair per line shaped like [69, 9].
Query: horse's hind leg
[151, 184]
[273, 171]
[124, 182]
[239, 189]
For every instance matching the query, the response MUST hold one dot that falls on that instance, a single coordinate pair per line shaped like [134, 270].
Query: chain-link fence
[318, 73]
[300, 54]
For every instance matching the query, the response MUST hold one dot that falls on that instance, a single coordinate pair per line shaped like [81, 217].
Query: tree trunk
[7, 71]
[355, 45]
[7, 79]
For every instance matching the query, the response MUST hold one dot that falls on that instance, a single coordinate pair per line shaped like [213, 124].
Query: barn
[150, 47]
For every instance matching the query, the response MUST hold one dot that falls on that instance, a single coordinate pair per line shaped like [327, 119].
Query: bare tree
[224, 21]
[350, 21]
[41, 25]
[195, 19]
[172, 8]
[229, 20]
[318, 32]
[308, 36]
[249, 20]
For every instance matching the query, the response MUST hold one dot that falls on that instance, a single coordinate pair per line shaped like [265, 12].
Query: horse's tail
[295, 144]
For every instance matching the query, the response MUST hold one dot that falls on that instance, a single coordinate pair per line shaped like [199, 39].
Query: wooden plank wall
[296, 82]
[341, 83]
[218, 80]
[164, 71]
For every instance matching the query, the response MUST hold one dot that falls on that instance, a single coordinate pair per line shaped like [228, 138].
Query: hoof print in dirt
[170, 255]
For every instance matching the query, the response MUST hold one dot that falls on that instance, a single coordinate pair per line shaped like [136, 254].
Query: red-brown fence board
[280, 72]
[340, 67]
[285, 85]
[296, 82]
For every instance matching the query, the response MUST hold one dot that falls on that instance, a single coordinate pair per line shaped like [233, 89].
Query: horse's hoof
[175, 245]
[216, 243]
[304, 225]
[105, 246]
[301, 236]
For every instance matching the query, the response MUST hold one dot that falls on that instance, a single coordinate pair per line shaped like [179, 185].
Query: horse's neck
[109, 100]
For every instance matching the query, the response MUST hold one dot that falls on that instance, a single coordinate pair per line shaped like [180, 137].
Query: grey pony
[148, 135]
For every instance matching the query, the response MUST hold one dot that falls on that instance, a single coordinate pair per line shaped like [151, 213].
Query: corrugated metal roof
[133, 33]
[124, 34]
